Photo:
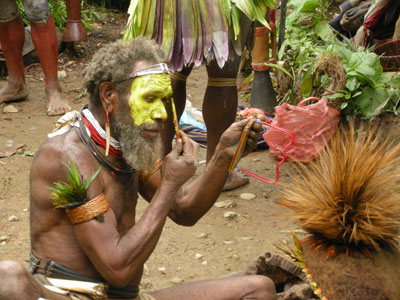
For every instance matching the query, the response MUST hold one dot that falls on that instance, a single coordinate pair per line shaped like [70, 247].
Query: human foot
[235, 180]
[13, 92]
[57, 104]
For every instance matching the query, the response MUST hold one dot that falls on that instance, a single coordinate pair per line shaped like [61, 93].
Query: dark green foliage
[119, 4]
[58, 11]
[368, 92]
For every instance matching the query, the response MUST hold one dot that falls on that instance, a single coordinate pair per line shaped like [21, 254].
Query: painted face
[148, 94]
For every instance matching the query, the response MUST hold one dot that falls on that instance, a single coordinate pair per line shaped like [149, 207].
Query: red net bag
[312, 125]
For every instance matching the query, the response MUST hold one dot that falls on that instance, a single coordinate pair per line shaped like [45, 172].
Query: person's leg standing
[45, 41]
[12, 35]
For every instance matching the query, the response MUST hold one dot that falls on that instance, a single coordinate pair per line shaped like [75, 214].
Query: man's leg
[17, 283]
[254, 287]
[178, 82]
[45, 40]
[12, 35]
[219, 110]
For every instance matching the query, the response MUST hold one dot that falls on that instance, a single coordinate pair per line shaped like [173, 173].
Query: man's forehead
[140, 65]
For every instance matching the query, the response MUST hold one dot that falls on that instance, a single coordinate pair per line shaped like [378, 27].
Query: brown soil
[226, 245]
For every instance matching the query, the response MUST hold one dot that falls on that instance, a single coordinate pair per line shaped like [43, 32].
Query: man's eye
[150, 98]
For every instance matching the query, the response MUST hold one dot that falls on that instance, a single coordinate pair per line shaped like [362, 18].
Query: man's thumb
[178, 148]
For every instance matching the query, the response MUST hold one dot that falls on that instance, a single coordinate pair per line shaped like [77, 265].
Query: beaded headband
[160, 68]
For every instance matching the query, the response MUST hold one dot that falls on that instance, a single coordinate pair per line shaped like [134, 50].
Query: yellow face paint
[148, 94]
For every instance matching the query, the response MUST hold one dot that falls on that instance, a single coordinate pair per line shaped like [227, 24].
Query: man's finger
[195, 152]
[240, 124]
[187, 145]
[257, 126]
[177, 150]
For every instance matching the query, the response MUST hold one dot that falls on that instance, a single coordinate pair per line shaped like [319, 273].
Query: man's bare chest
[122, 199]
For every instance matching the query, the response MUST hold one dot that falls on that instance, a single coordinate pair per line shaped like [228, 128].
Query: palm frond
[255, 9]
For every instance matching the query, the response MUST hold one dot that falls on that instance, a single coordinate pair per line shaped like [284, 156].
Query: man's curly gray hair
[115, 61]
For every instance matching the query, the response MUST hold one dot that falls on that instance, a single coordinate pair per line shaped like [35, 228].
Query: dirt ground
[212, 248]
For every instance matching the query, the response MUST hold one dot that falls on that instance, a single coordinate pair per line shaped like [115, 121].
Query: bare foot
[13, 92]
[235, 180]
[57, 104]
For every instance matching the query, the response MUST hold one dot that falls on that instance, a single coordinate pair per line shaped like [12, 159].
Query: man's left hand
[230, 138]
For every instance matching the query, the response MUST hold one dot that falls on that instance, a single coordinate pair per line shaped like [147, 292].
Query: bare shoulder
[51, 161]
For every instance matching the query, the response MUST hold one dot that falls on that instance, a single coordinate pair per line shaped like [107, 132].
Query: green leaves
[368, 89]
[324, 31]
[309, 6]
[72, 194]
[255, 9]
[134, 21]
[370, 100]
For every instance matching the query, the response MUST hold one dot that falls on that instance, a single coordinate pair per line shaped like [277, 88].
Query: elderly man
[12, 35]
[100, 241]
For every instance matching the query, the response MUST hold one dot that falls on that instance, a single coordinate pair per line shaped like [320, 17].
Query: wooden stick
[175, 119]
[282, 25]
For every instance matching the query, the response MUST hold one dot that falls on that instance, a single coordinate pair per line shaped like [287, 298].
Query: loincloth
[72, 295]
[53, 270]
[43, 280]
[145, 296]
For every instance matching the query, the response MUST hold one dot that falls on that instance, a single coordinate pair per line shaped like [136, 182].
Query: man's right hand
[181, 163]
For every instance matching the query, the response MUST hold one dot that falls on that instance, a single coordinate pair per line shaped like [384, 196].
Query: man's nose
[159, 112]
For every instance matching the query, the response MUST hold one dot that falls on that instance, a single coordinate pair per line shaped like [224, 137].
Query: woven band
[160, 68]
[261, 30]
[88, 211]
[263, 66]
[227, 82]
[178, 76]
[11, 18]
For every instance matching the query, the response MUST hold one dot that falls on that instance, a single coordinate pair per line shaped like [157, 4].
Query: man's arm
[195, 199]
[118, 258]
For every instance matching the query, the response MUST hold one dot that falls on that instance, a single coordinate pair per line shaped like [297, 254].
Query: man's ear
[108, 95]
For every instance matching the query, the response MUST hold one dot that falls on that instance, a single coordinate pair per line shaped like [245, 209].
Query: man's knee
[263, 287]
[8, 11]
[36, 10]
[11, 268]
[14, 278]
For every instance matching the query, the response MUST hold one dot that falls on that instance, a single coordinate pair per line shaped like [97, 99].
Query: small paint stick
[175, 119]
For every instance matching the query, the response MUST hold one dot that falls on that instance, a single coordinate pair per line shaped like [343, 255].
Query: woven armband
[89, 210]
[263, 66]
[261, 30]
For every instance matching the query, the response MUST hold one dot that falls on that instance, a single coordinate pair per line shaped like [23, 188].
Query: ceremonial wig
[115, 61]
[348, 201]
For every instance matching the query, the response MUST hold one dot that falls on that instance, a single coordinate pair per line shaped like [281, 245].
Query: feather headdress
[349, 198]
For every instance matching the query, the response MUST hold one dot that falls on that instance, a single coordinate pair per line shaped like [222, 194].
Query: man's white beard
[139, 153]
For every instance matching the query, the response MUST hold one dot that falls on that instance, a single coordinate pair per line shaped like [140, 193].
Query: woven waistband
[222, 82]
[54, 270]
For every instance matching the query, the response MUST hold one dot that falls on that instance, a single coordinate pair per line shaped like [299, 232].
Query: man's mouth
[151, 132]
